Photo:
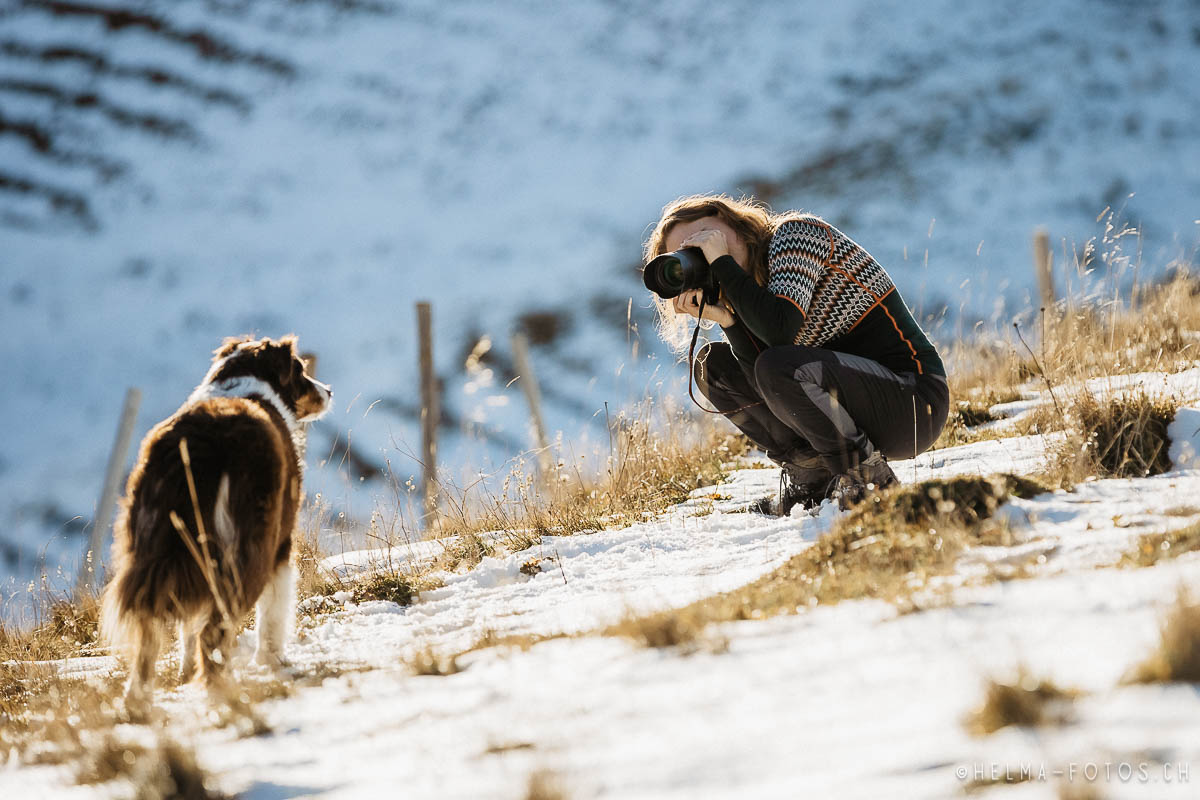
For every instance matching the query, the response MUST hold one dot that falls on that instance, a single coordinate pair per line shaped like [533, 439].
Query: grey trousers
[821, 412]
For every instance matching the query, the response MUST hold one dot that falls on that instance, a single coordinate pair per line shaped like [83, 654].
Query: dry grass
[1182, 511]
[1177, 657]
[1148, 331]
[427, 662]
[1155, 547]
[686, 631]
[1124, 436]
[1078, 790]
[977, 785]
[42, 715]
[468, 548]
[390, 586]
[310, 580]
[1153, 329]
[513, 641]
[545, 785]
[46, 718]
[958, 431]
[1024, 701]
[653, 463]
[49, 718]
[66, 626]
[165, 771]
[984, 373]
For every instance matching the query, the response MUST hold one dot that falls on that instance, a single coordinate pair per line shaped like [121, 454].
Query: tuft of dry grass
[1024, 701]
[685, 630]
[1183, 511]
[515, 641]
[545, 785]
[427, 662]
[977, 785]
[1078, 790]
[1177, 658]
[310, 581]
[1154, 547]
[165, 771]
[1124, 436]
[66, 627]
[466, 550]
[391, 586]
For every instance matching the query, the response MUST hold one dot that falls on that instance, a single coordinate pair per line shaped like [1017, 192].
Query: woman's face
[680, 232]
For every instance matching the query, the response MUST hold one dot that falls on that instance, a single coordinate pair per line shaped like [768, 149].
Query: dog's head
[277, 364]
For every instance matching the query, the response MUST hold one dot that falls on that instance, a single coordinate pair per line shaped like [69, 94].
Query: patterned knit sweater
[823, 290]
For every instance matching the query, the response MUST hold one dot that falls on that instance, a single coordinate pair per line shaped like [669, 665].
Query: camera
[670, 274]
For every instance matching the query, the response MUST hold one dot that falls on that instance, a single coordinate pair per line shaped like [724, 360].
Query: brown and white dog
[206, 522]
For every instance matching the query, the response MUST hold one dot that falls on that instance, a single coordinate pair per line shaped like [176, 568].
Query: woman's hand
[711, 242]
[689, 303]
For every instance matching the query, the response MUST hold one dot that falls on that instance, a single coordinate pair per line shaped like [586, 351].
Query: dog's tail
[148, 590]
[118, 630]
[129, 618]
[157, 585]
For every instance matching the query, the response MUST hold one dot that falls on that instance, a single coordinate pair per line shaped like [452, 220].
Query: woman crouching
[824, 367]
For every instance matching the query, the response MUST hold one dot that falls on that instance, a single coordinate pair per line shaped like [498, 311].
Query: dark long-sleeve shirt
[823, 290]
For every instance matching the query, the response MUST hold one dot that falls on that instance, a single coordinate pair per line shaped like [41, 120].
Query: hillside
[175, 172]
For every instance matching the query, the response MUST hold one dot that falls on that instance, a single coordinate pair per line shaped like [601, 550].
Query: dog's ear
[230, 344]
[284, 361]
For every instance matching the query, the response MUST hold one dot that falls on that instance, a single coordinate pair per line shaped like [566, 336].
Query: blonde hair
[752, 221]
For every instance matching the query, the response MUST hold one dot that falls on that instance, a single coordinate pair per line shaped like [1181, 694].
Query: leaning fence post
[1043, 264]
[89, 571]
[533, 395]
[429, 412]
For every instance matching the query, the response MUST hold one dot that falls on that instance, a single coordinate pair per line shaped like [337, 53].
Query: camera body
[676, 272]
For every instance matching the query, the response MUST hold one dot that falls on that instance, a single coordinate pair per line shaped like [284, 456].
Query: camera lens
[672, 273]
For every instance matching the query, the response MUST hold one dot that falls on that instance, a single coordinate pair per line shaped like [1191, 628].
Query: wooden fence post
[1043, 264]
[533, 395]
[90, 569]
[429, 412]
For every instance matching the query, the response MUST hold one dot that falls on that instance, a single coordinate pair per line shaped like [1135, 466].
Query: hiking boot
[795, 490]
[804, 488]
[871, 475]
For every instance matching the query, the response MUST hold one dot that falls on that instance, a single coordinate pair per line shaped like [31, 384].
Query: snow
[1184, 433]
[854, 700]
[498, 160]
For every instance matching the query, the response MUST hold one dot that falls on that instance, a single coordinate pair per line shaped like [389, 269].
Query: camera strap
[692, 370]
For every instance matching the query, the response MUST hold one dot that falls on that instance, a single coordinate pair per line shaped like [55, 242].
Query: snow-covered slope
[174, 172]
[853, 700]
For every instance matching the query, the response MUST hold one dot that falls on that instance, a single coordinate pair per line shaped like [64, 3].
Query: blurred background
[172, 173]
